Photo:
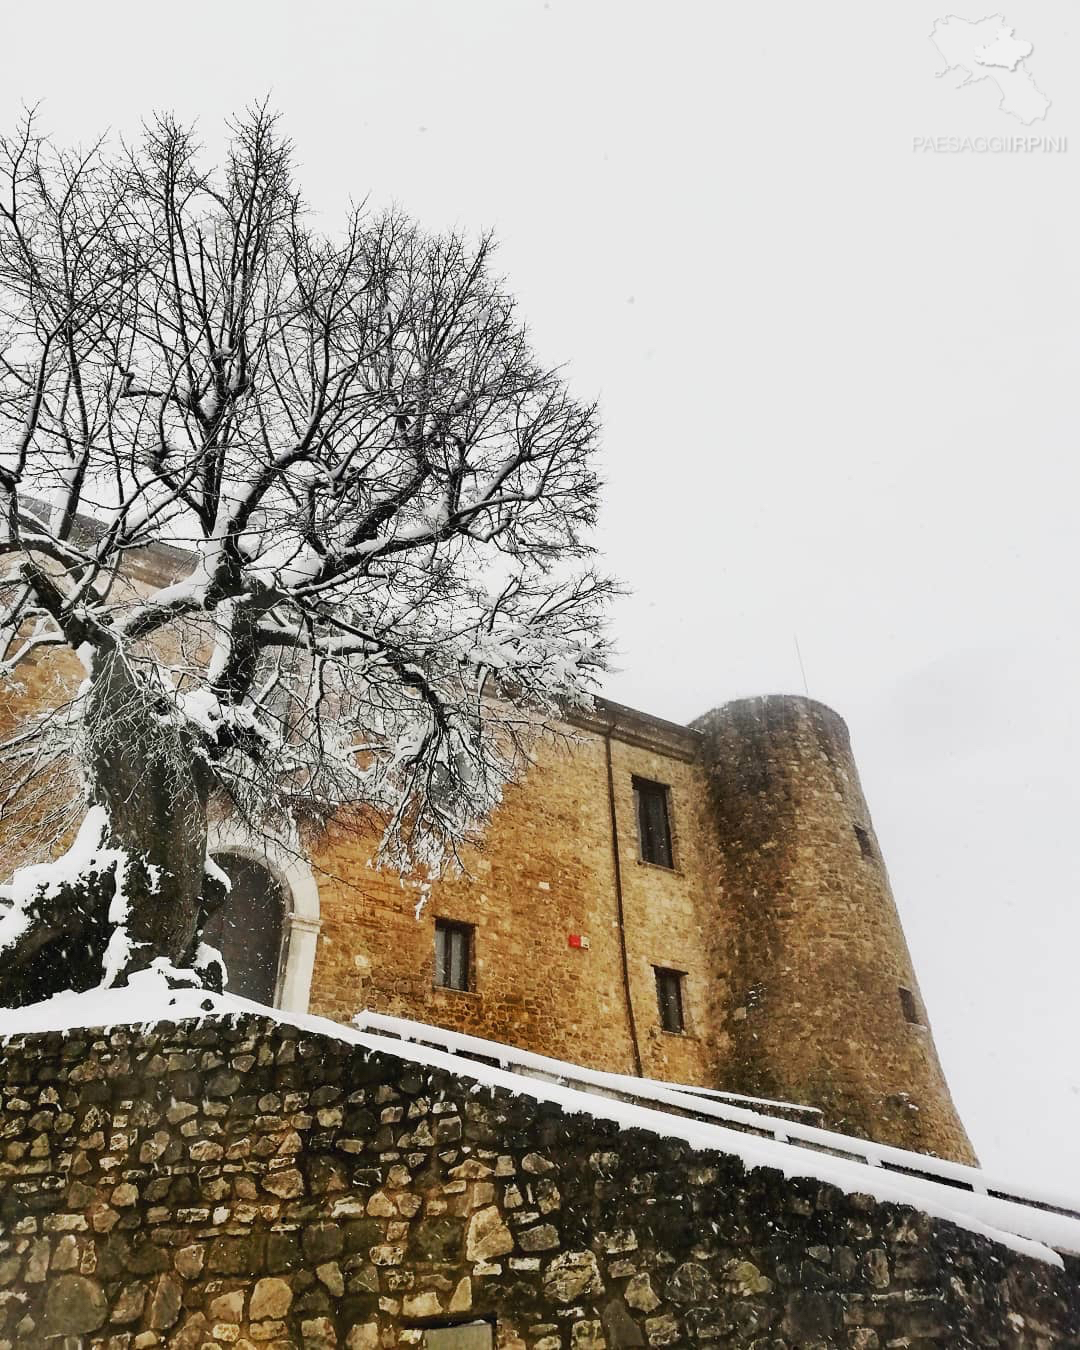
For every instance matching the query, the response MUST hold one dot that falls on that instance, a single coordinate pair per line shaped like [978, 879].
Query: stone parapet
[245, 1183]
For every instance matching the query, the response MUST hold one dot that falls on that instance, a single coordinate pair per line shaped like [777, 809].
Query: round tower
[825, 1007]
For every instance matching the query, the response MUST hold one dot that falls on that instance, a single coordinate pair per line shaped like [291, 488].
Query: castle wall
[247, 1184]
[818, 956]
[545, 872]
[787, 938]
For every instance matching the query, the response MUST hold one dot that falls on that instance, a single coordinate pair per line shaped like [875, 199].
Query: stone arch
[301, 919]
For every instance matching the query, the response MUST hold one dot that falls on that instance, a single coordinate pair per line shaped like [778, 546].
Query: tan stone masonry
[777, 913]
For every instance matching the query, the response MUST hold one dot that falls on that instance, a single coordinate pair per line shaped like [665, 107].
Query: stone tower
[826, 1007]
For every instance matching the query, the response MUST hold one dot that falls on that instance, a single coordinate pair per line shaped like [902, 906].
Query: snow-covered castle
[653, 1070]
[706, 905]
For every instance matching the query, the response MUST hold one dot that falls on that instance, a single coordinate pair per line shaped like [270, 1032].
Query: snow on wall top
[148, 999]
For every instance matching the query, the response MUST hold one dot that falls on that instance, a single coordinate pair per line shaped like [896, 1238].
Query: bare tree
[382, 496]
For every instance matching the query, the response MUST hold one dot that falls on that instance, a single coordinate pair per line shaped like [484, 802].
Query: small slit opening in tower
[909, 1006]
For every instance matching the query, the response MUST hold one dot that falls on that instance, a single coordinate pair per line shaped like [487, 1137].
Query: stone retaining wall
[246, 1184]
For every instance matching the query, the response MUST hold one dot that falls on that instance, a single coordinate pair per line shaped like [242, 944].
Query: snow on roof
[147, 999]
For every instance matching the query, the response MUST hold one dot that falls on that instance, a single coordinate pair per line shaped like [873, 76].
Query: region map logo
[974, 50]
[988, 49]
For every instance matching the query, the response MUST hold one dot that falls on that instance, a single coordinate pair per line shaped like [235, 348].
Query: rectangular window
[907, 1002]
[866, 848]
[670, 999]
[453, 953]
[654, 827]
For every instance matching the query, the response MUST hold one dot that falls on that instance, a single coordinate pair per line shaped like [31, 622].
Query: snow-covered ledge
[1033, 1230]
[302, 919]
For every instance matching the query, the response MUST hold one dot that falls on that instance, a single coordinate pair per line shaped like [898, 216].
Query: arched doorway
[249, 929]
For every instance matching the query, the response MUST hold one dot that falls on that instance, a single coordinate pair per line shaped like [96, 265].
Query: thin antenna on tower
[798, 653]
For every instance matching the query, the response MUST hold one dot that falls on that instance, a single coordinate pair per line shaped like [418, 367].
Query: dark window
[654, 828]
[453, 943]
[247, 929]
[866, 848]
[907, 1002]
[669, 997]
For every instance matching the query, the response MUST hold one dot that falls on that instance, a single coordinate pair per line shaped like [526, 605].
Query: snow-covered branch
[283, 495]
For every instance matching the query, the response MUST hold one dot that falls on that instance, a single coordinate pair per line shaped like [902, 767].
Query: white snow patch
[145, 999]
[85, 652]
[208, 955]
[44, 881]
[213, 871]
[117, 956]
[202, 707]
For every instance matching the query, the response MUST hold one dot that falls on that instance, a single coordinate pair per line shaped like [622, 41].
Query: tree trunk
[143, 770]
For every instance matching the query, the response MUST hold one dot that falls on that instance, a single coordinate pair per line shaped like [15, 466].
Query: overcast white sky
[837, 379]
